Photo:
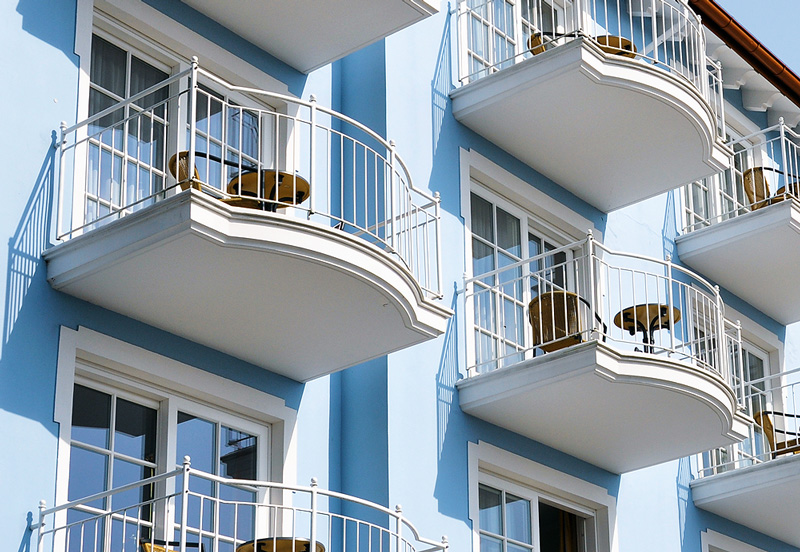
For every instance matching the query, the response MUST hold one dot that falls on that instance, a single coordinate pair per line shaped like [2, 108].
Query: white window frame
[711, 541]
[538, 213]
[91, 358]
[487, 463]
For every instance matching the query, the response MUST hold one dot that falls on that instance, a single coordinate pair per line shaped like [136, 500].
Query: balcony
[276, 516]
[757, 482]
[287, 276]
[742, 224]
[589, 351]
[305, 34]
[615, 105]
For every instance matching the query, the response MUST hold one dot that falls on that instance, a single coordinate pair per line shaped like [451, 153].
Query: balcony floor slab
[753, 256]
[762, 497]
[292, 296]
[611, 130]
[620, 411]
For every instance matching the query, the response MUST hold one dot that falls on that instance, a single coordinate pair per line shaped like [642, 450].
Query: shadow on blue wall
[669, 231]
[25, 543]
[50, 22]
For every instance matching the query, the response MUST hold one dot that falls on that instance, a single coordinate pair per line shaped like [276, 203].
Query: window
[511, 523]
[502, 238]
[518, 505]
[126, 413]
[126, 148]
[114, 439]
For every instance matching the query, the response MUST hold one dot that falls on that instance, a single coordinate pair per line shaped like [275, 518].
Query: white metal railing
[765, 170]
[231, 512]
[495, 34]
[197, 130]
[773, 403]
[584, 292]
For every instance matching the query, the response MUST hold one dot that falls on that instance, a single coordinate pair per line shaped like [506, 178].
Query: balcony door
[516, 261]
[126, 149]
[120, 436]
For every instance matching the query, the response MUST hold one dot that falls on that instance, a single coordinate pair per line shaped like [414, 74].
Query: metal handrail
[773, 404]
[604, 282]
[397, 533]
[773, 149]
[357, 181]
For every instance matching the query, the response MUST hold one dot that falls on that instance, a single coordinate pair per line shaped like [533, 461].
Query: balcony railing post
[392, 197]
[740, 364]
[187, 462]
[784, 159]
[312, 170]
[670, 302]
[40, 526]
[192, 117]
[314, 492]
[721, 366]
[593, 311]
[398, 510]
[62, 139]
[438, 245]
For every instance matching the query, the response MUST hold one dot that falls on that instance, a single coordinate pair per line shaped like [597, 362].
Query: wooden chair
[554, 318]
[179, 169]
[789, 446]
[536, 44]
[756, 188]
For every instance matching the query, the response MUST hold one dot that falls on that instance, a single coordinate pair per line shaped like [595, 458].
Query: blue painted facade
[389, 430]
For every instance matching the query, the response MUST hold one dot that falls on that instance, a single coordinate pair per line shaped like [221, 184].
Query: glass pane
[143, 76]
[508, 236]
[489, 544]
[482, 258]
[518, 519]
[558, 529]
[87, 474]
[135, 432]
[108, 66]
[491, 512]
[91, 416]
[482, 218]
[237, 454]
[196, 439]
[127, 472]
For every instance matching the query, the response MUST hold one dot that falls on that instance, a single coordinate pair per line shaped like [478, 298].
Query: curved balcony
[757, 482]
[267, 227]
[613, 100]
[617, 359]
[253, 515]
[744, 227]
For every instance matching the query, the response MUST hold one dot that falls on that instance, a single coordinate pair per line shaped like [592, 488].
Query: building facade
[523, 267]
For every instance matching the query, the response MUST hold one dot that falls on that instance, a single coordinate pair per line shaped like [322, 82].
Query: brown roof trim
[751, 50]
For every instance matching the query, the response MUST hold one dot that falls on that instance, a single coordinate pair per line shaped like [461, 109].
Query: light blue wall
[390, 430]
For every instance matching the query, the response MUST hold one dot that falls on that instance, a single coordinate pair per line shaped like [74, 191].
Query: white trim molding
[484, 457]
[90, 353]
[711, 541]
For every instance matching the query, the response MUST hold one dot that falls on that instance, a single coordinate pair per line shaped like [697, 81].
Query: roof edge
[739, 39]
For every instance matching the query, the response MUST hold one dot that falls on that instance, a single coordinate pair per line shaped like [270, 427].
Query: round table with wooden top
[279, 544]
[617, 45]
[647, 318]
[291, 189]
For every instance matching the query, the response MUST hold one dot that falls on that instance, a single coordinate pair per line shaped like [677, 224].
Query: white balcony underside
[307, 34]
[619, 411]
[295, 297]
[753, 256]
[611, 130]
[762, 497]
